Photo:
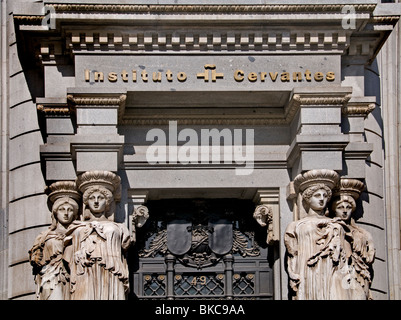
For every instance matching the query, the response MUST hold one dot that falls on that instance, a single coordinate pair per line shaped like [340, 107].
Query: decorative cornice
[92, 101]
[116, 101]
[56, 109]
[126, 8]
[279, 119]
[319, 100]
[188, 120]
[358, 109]
[301, 40]
[299, 100]
[53, 110]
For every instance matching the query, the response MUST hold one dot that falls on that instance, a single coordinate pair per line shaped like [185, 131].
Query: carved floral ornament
[82, 254]
[329, 256]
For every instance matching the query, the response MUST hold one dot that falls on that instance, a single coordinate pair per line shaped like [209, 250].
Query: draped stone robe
[51, 276]
[98, 266]
[317, 257]
[363, 255]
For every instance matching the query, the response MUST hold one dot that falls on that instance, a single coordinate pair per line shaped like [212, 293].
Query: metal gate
[201, 249]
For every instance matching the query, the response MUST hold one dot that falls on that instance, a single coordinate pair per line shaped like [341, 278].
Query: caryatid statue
[46, 255]
[356, 284]
[96, 246]
[316, 245]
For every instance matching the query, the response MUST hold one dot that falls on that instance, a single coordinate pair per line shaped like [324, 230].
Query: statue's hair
[308, 193]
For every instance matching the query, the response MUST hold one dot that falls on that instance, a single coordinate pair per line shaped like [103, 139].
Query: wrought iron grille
[199, 285]
[243, 283]
[199, 272]
[154, 285]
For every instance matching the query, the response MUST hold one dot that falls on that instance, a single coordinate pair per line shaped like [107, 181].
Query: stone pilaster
[60, 124]
[317, 141]
[353, 123]
[97, 144]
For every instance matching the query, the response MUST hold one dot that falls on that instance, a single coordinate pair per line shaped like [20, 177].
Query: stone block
[353, 76]
[25, 181]
[23, 118]
[58, 79]
[97, 116]
[354, 168]
[58, 125]
[374, 121]
[20, 280]
[97, 130]
[322, 115]
[375, 179]
[19, 91]
[14, 62]
[60, 169]
[24, 149]
[28, 212]
[87, 161]
[379, 286]
[372, 211]
[320, 129]
[377, 154]
[321, 160]
[204, 178]
[20, 243]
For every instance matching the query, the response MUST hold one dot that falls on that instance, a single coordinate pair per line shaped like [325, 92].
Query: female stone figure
[96, 246]
[357, 282]
[51, 276]
[315, 244]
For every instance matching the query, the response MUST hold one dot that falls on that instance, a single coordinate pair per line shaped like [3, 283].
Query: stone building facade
[206, 110]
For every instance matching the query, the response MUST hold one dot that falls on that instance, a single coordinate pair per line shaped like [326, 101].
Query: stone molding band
[205, 8]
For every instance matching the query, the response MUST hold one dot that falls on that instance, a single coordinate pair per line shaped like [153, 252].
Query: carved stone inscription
[329, 256]
[83, 258]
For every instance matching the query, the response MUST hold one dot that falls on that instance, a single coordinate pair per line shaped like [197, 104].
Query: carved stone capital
[310, 178]
[105, 179]
[62, 189]
[305, 183]
[305, 98]
[349, 187]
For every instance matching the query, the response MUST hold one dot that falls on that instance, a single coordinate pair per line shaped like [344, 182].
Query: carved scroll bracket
[140, 212]
[267, 213]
